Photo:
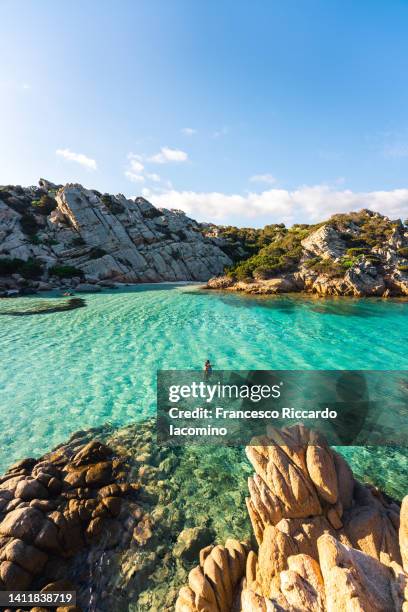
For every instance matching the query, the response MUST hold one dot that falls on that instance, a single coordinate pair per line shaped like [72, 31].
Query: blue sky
[244, 112]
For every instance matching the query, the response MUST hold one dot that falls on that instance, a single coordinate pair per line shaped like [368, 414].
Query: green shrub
[262, 272]
[32, 268]
[312, 262]
[29, 224]
[356, 251]
[65, 271]
[403, 252]
[347, 263]
[10, 266]
[45, 205]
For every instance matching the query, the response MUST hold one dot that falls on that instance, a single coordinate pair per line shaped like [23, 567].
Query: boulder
[22, 523]
[191, 541]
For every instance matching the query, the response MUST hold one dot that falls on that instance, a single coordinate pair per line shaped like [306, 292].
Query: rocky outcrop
[325, 542]
[103, 237]
[361, 254]
[74, 499]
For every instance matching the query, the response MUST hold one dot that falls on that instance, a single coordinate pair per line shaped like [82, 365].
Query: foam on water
[72, 370]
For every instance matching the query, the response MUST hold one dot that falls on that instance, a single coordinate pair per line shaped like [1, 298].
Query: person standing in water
[208, 367]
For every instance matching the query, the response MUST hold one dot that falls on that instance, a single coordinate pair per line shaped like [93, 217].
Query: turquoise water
[73, 370]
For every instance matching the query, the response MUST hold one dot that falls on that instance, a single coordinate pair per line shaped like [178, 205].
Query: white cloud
[134, 177]
[136, 171]
[152, 176]
[80, 158]
[307, 204]
[136, 166]
[188, 131]
[263, 178]
[167, 155]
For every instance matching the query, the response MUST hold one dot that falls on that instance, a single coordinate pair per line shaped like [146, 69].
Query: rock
[339, 555]
[93, 452]
[23, 523]
[14, 577]
[273, 552]
[190, 541]
[322, 472]
[47, 537]
[31, 489]
[212, 586]
[142, 533]
[95, 528]
[26, 556]
[351, 576]
[99, 474]
[325, 242]
[220, 282]
[403, 532]
[113, 505]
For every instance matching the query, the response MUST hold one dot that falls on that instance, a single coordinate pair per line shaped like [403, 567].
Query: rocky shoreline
[124, 522]
[358, 254]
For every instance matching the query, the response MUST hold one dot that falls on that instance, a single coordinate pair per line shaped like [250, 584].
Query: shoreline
[175, 504]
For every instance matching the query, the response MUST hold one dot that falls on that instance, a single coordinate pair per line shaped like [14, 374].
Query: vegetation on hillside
[276, 249]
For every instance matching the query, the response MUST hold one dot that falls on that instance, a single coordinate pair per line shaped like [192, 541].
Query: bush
[32, 268]
[45, 204]
[262, 272]
[328, 267]
[65, 271]
[403, 268]
[356, 251]
[10, 266]
[312, 262]
[29, 224]
[403, 252]
[347, 263]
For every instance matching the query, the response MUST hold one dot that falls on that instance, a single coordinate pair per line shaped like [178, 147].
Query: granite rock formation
[99, 238]
[324, 542]
[359, 254]
[52, 510]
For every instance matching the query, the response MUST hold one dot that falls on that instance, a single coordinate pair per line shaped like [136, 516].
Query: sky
[243, 112]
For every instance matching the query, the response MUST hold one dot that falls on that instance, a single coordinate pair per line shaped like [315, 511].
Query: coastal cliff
[54, 235]
[356, 254]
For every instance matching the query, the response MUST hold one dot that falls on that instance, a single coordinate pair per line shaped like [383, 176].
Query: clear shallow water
[72, 370]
